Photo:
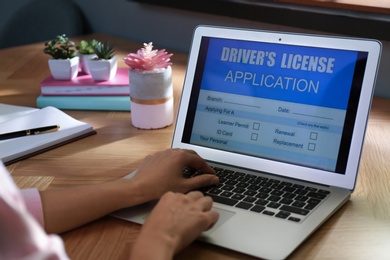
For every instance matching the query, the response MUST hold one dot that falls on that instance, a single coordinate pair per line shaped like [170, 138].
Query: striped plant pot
[151, 96]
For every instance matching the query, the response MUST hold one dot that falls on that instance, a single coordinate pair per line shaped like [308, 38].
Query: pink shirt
[21, 221]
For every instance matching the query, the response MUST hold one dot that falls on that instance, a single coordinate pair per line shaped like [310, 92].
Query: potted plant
[151, 90]
[105, 64]
[86, 52]
[64, 64]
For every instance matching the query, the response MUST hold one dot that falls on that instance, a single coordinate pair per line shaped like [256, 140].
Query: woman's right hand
[174, 223]
[163, 171]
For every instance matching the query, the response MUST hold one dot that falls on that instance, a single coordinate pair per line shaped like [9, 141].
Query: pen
[33, 131]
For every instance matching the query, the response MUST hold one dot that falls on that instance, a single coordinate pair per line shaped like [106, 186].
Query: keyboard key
[253, 187]
[294, 219]
[227, 193]
[274, 198]
[289, 195]
[254, 181]
[222, 174]
[301, 192]
[310, 189]
[298, 186]
[228, 171]
[269, 213]
[231, 177]
[262, 195]
[261, 202]
[314, 201]
[301, 198]
[239, 190]
[273, 205]
[310, 206]
[324, 192]
[238, 196]
[277, 186]
[286, 201]
[227, 187]
[242, 185]
[257, 208]
[265, 190]
[266, 184]
[316, 195]
[299, 204]
[215, 191]
[243, 179]
[295, 210]
[222, 180]
[250, 193]
[289, 189]
[283, 214]
[244, 205]
[277, 192]
[249, 199]
[223, 200]
[231, 182]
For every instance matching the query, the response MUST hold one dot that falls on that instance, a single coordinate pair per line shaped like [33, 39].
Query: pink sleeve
[33, 203]
[21, 237]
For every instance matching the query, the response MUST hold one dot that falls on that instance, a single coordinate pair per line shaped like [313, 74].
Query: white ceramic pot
[64, 69]
[151, 96]
[83, 62]
[103, 69]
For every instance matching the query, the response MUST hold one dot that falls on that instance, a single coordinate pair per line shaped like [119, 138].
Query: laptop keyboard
[263, 195]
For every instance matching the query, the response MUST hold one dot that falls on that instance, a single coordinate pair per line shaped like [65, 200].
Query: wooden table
[360, 230]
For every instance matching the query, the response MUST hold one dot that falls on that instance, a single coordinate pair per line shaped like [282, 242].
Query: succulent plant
[86, 47]
[147, 59]
[104, 51]
[60, 48]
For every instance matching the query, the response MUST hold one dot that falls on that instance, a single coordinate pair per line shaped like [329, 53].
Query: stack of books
[84, 93]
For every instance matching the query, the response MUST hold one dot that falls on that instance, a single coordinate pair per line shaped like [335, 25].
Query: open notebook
[16, 118]
[281, 117]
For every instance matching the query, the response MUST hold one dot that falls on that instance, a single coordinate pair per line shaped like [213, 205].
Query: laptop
[281, 117]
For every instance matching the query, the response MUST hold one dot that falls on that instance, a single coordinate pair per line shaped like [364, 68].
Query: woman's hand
[173, 224]
[163, 171]
[65, 209]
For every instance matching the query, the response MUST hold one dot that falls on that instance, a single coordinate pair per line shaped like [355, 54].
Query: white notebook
[17, 118]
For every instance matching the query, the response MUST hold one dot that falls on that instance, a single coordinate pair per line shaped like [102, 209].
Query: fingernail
[214, 180]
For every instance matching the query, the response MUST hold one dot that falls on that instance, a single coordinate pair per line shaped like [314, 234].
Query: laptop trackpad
[224, 215]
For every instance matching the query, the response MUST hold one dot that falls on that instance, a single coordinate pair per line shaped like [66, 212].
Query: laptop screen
[287, 103]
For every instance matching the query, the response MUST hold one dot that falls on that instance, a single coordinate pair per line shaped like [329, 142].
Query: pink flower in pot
[151, 90]
[147, 59]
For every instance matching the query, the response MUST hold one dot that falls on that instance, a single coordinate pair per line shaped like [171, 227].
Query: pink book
[85, 85]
